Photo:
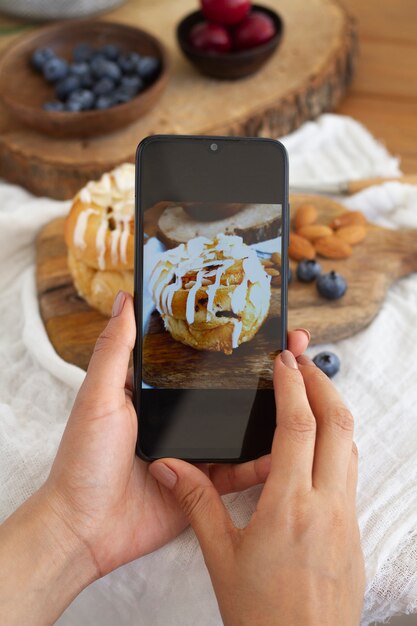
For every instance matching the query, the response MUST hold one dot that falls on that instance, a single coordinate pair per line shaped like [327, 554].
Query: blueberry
[122, 95]
[66, 86]
[148, 68]
[105, 102]
[128, 62]
[73, 106]
[54, 106]
[103, 86]
[87, 80]
[331, 285]
[40, 57]
[103, 68]
[132, 84]
[84, 97]
[328, 362]
[110, 51]
[55, 69]
[79, 69]
[83, 52]
[308, 270]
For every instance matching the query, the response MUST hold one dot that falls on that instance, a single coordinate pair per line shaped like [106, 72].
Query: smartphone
[211, 266]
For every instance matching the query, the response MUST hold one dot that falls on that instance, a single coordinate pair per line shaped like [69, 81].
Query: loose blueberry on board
[84, 97]
[331, 286]
[225, 11]
[128, 62]
[148, 68]
[54, 107]
[328, 362]
[110, 51]
[40, 57]
[254, 30]
[66, 86]
[83, 52]
[104, 86]
[308, 270]
[55, 69]
[210, 37]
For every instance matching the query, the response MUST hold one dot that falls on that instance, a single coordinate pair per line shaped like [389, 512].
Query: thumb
[107, 370]
[201, 503]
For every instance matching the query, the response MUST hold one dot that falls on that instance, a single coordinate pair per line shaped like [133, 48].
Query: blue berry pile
[95, 78]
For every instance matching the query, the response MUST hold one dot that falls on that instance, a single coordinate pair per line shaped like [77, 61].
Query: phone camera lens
[214, 147]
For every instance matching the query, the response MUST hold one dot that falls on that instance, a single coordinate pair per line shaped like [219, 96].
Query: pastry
[99, 236]
[253, 222]
[212, 294]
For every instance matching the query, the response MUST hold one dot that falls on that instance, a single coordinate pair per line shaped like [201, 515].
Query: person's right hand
[299, 560]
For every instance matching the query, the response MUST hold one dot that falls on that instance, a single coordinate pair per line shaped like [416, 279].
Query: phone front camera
[214, 147]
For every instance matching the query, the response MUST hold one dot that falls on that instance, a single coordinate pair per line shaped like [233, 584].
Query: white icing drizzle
[85, 195]
[114, 242]
[101, 244]
[123, 241]
[190, 307]
[81, 226]
[237, 329]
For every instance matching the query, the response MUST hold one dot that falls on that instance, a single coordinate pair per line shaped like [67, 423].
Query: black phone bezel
[138, 263]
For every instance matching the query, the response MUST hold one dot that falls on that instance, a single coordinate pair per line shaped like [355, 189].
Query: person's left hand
[104, 494]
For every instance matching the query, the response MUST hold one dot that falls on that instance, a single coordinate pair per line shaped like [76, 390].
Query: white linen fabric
[377, 379]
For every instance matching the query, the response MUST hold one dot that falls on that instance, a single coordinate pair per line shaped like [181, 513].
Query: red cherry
[210, 37]
[225, 11]
[255, 29]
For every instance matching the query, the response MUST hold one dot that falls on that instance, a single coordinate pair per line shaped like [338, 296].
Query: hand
[105, 494]
[299, 561]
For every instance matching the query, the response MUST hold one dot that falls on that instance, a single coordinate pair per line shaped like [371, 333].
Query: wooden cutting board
[382, 258]
[308, 74]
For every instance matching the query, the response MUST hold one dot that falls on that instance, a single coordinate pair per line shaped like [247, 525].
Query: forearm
[43, 566]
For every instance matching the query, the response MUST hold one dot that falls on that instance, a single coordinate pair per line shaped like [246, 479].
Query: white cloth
[377, 379]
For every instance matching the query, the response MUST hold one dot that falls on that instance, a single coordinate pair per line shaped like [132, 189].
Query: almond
[300, 248]
[352, 234]
[306, 214]
[314, 231]
[267, 263]
[349, 218]
[333, 247]
[276, 258]
[272, 272]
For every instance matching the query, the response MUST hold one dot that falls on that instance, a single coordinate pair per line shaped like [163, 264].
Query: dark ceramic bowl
[229, 65]
[23, 91]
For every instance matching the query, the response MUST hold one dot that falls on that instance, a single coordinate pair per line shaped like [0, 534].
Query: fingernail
[288, 359]
[305, 331]
[303, 359]
[118, 304]
[163, 475]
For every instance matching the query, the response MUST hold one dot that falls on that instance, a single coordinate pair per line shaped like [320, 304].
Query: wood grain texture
[382, 258]
[308, 74]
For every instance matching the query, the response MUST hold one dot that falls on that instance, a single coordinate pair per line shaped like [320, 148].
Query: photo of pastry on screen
[211, 303]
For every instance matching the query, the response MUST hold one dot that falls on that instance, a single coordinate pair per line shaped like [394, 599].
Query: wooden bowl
[229, 65]
[23, 91]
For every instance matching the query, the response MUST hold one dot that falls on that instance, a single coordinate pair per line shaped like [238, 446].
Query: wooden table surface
[383, 95]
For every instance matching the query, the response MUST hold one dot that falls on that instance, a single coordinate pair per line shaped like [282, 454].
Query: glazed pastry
[100, 239]
[212, 294]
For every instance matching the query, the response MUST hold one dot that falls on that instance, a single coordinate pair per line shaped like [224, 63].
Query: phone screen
[210, 294]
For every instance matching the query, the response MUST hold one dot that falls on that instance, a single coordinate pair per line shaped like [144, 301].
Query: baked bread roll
[212, 294]
[99, 233]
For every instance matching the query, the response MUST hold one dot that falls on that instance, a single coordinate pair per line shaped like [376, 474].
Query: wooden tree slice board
[308, 74]
[382, 258]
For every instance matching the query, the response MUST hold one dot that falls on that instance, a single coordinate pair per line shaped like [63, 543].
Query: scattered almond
[300, 248]
[276, 281]
[349, 218]
[314, 231]
[352, 234]
[276, 258]
[333, 247]
[306, 214]
[267, 263]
